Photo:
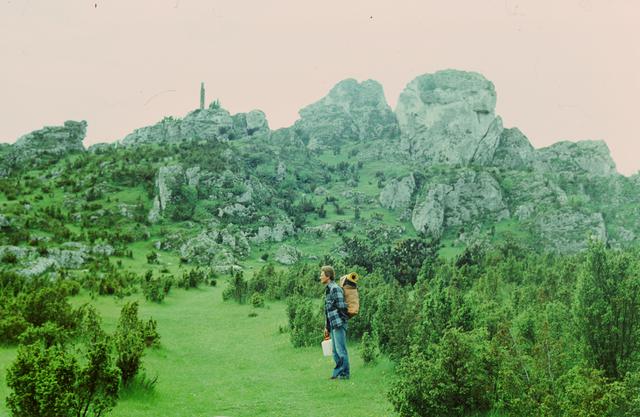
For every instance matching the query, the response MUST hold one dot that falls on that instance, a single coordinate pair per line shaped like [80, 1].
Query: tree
[53, 382]
[404, 259]
[455, 381]
[129, 342]
[608, 309]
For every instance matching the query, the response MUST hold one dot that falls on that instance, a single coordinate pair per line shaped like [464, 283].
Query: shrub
[129, 342]
[305, 325]
[368, 349]
[150, 333]
[9, 258]
[237, 289]
[454, 382]
[52, 382]
[152, 258]
[257, 300]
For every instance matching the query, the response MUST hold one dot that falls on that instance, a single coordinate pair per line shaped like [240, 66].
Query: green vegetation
[215, 360]
[136, 280]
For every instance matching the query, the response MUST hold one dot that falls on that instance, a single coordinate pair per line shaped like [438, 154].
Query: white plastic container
[327, 349]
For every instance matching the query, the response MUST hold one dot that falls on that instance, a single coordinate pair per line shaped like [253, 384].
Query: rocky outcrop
[99, 148]
[217, 249]
[169, 178]
[397, 193]
[4, 222]
[514, 151]
[287, 255]
[253, 123]
[449, 117]
[20, 253]
[428, 214]
[568, 231]
[351, 111]
[528, 191]
[591, 157]
[103, 249]
[202, 124]
[282, 229]
[38, 267]
[68, 259]
[52, 142]
[472, 196]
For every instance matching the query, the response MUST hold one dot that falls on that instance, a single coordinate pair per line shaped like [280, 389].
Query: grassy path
[215, 360]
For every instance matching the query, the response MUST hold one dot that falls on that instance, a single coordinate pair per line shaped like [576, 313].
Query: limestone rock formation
[475, 196]
[514, 150]
[351, 111]
[253, 123]
[591, 157]
[169, 178]
[471, 196]
[428, 214]
[201, 124]
[101, 147]
[397, 193]
[449, 117]
[278, 232]
[52, 142]
[568, 231]
[532, 192]
[287, 255]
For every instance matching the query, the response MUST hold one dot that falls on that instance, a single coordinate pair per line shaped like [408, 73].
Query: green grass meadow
[215, 360]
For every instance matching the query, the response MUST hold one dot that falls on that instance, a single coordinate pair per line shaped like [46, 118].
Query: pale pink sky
[563, 70]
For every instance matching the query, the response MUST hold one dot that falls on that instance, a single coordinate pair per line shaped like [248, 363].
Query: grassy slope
[215, 360]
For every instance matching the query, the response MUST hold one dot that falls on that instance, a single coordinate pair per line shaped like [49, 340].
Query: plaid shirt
[335, 308]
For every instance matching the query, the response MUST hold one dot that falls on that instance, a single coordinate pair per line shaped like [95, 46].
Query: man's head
[327, 274]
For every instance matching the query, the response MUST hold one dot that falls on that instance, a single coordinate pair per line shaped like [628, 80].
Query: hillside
[441, 166]
[496, 279]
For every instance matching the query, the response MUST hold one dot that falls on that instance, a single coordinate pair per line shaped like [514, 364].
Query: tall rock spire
[201, 95]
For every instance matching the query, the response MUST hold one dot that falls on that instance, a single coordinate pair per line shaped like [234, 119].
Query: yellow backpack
[349, 285]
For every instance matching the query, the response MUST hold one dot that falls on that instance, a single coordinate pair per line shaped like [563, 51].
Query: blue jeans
[340, 354]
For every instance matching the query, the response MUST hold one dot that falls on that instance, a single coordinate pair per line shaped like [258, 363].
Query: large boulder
[287, 255]
[591, 157]
[351, 111]
[449, 117]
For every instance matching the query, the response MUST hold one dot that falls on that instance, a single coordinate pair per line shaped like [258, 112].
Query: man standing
[335, 310]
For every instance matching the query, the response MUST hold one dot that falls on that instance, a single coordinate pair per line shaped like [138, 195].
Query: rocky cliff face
[397, 193]
[591, 157]
[351, 111]
[469, 196]
[202, 124]
[168, 180]
[53, 142]
[449, 117]
[514, 151]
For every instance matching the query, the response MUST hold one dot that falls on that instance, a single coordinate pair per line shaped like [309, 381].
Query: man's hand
[326, 334]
